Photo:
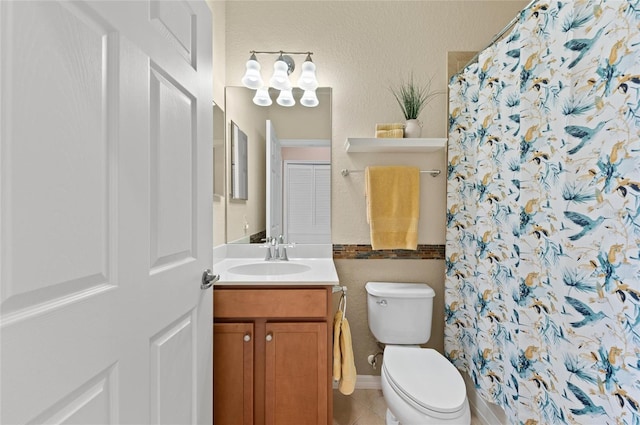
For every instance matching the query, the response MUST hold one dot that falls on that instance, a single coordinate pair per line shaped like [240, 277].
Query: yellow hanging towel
[344, 368]
[393, 206]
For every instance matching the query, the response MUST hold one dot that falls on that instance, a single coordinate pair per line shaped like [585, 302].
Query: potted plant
[412, 98]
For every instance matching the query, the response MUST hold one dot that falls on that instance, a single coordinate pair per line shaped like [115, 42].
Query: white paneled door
[105, 220]
[307, 202]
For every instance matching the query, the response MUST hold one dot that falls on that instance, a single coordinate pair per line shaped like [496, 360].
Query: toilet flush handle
[382, 303]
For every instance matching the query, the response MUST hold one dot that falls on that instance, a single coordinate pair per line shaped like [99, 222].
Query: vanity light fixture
[282, 68]
[262, 97]
[285, 98]
[309, 99]
[308, 79]
[252, 77]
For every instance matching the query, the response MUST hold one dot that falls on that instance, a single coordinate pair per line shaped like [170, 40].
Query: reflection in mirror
[239, 163]
[219, 171]
[218, 152]
[299, 199]
[307, 200]
[298, 188]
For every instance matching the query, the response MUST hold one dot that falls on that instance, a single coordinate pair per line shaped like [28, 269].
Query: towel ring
[343, 305]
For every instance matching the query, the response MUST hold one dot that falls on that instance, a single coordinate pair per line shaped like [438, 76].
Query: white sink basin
[267, 268]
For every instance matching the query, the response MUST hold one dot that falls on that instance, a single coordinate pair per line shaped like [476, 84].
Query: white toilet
[420, 385]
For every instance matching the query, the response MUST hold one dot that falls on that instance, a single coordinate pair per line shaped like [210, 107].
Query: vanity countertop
[300, 270]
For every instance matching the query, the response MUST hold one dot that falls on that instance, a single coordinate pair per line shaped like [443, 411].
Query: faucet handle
[283, 250]
[281, 239]
[269, 255]
[268, 243]
[283, 255]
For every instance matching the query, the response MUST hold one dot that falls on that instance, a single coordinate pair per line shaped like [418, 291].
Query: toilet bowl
[420, 386]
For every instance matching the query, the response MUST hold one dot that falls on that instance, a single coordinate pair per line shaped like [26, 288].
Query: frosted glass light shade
[262, 97]
[285, 98]
[280, 78]
[252, 78]
[308, 79]
[309, 99]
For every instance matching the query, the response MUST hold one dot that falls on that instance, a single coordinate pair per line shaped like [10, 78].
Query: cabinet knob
[247, 338]
[269, 337]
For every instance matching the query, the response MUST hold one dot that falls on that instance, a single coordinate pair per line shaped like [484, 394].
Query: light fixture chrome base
[291, 65]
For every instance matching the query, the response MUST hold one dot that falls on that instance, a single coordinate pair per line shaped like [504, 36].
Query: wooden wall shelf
[380, 145]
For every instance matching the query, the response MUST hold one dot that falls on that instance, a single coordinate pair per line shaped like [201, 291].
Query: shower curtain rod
[497, 37]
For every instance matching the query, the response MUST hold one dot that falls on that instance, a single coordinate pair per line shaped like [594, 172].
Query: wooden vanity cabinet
[233, 373]
[272, 355]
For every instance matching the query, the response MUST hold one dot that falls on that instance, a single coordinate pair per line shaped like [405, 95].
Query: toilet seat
[425, 379]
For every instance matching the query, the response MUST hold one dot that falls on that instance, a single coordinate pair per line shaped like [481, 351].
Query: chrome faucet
[276, 248]
[269, 245]
[280, 244]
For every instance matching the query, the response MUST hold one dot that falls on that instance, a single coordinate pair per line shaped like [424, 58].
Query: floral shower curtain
[542, 285]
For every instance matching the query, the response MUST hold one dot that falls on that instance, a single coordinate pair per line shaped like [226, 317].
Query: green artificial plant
[413, 97]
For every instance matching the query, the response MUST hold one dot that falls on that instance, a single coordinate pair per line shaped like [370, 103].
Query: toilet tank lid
[400, 289]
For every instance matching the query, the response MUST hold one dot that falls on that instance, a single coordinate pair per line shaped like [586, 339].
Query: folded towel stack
[392, 126]
[393, 130]
[390, 134]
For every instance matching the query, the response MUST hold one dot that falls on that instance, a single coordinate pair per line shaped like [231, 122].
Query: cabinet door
[297, 377]
[233, 373]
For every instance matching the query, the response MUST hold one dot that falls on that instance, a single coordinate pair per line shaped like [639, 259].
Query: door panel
[233, 358]
[173, 171]
[296, 374]
[93, 402]
[105, 224]
[52, 162]
[172, 352]
[175, 21]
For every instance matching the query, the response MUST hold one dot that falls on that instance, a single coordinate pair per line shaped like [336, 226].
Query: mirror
[299, 197]
[239, 164]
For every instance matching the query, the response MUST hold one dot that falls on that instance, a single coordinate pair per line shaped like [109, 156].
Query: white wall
[218, 11]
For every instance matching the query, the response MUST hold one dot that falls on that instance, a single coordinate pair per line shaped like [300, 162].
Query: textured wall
[356, 273]
[360, 48]
[218, 11]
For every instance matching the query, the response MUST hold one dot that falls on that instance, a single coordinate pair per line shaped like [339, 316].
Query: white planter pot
[413, 129]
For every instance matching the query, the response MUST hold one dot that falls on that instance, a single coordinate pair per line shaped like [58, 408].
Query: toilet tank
[400, 313]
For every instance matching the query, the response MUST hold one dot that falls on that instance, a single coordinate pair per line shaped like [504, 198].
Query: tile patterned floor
[363, 407]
